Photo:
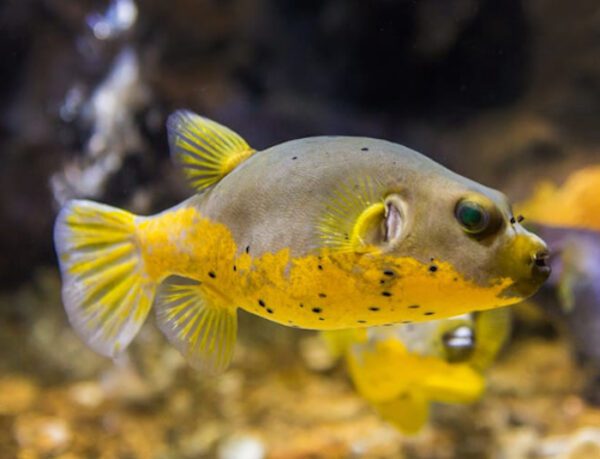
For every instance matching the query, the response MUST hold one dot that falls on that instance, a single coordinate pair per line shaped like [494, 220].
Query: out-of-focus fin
[197, 322]
[205, 150]
[350, 214]
[408, 413]
[339, 341]
[492, 330]
[371, 370]
[105, 291]
[453, 383]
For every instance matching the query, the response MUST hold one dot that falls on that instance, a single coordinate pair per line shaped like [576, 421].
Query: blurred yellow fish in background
[568, 218]
[401, 370]
[575, 204]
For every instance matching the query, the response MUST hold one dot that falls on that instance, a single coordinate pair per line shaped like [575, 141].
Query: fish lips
[524, 287]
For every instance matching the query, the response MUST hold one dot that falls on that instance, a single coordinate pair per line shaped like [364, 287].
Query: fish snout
[540, 261]
[528, 264]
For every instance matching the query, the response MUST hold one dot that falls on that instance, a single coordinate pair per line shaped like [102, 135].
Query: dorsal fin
[205, 150]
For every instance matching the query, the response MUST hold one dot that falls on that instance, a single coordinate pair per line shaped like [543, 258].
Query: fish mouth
[540, 262]
[537, 273]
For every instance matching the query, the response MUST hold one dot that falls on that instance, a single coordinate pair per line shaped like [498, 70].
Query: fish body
[401, 370]
[318, 233]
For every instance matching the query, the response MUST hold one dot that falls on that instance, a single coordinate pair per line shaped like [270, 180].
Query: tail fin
[105, 292]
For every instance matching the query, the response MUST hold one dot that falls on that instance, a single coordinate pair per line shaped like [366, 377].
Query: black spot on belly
[294, 158]
[301, 305]
[433, 268]
[322, 295]
[386, 293]
[364, 149]
[261, 303]
[414, 306]
[317, 310]
[406, 321]
[428, 313]
[234, 267]
[374, 308]
[321, 318]
[362, 321]
[320, 267]
[269, 310]
[212, 274]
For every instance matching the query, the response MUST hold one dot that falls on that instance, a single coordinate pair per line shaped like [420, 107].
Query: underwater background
[506, 93]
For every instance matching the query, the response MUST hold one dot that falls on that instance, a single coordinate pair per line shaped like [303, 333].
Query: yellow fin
[339, 341]
[104, 289]
[452, 383]
[205, 150]
[407, 413]
[350, 213]
[492, 330]
[197, 323]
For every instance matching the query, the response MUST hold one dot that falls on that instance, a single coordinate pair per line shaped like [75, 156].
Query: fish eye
[472, 216]
[459, 343]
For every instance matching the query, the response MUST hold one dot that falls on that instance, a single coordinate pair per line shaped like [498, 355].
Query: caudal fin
[105, 291]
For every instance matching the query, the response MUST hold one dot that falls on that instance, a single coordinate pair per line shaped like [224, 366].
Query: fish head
[469, 227]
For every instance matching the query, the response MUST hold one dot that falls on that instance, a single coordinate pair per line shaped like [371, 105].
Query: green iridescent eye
[472, 217]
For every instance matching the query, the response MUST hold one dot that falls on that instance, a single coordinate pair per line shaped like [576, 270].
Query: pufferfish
[401, 370]
[317, 233]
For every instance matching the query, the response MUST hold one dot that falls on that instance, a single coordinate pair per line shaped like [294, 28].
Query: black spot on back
[388, 272]
[316, 310]
[322, 295]
[414, 306]
[362, 321]
[269, 310]
[261, 303]
[212, 274]
[374, 308]
[386, 293]
[247, 249]
[428, 313]
[433, 268]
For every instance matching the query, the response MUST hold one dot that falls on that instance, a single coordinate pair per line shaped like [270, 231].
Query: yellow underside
[329, 290]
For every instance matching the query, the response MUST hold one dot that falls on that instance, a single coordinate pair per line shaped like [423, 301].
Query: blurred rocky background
[504, 92]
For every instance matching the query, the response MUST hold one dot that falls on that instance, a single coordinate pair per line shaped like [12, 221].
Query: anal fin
[197, 322]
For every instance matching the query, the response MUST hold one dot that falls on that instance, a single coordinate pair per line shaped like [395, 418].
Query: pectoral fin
[197, 322]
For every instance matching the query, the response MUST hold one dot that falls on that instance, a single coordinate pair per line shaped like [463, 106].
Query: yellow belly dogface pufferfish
[317, 233]
[401, 370]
